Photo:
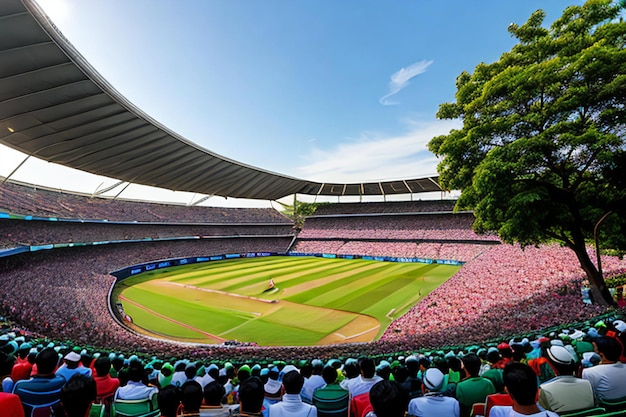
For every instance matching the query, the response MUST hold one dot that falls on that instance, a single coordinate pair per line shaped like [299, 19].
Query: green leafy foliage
[540, 156]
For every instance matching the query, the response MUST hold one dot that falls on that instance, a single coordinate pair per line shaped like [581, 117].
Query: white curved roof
[56, 107]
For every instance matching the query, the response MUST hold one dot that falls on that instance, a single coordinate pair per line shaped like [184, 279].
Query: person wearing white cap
[433, 403]
[565, 392]
[71, 366]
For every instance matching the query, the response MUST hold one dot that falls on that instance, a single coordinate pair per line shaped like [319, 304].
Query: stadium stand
[61, 295]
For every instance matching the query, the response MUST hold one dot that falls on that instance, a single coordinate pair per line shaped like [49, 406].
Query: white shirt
[434, 405]
[310, 385]
[292, 406]
[507, 411]
[362, 385]
[135, 391]
[607, 380]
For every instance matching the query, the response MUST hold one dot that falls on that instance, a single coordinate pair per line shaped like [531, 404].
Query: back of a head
[47, 361]
[213, 393]
[251, 395]
[190, 371]
[472, 363]
[433, 379]
[609, 347]
[494, 356]
[103, 366]
[306, 370]
[368, 368]
[293, 382]
[329, 374]
[521, 382]
[351, 370]
[562, 360]
[388, 399]
[318, 366]
[6, 363]
[191, 395]
[135, 371]
[77, 395]
[169, 400]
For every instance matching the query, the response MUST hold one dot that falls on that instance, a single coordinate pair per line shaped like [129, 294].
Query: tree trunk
[599, 290]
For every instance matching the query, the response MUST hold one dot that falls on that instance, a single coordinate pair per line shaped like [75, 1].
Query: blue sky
[326, 90]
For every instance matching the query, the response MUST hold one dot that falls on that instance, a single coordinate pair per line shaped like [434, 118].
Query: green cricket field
[313, 301]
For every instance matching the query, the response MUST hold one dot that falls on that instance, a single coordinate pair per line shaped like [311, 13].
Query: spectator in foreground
[135, 389]
[77, 395]
[72, 366]
[608, 378]
[251, 394]
[169, 400]
[521, 383]
[434, 403]
[292, 405]
[213, 394]
[44, 387]
[7, 363]
[11, 405]
[331, 400]
[105, 384]
[388, 399]
[473, 389]
[191, 398]
[364, 382]
[565, 392]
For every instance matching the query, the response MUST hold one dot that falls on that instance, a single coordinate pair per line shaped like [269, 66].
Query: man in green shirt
[331, 400]
[473, 389]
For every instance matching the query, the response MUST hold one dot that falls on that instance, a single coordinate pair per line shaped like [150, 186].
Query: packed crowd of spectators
[37, 201]
[505, 290]
[578, 369]
[31, 232]
[440, 227]
[386, 207]
[461, 252]
[63, 293]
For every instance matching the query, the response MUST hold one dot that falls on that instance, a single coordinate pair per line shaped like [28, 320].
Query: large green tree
[540, 156]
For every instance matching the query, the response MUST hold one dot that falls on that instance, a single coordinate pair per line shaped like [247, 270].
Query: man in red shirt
[105, 385]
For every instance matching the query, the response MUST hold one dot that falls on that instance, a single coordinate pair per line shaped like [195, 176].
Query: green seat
[613, 405]
[584, 413]
[135, 408]
[97, 410]
[619, 413]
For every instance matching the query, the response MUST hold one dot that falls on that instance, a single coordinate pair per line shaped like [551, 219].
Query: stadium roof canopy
[55, 106]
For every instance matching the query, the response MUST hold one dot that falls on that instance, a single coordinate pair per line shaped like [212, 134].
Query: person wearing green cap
[164, 377]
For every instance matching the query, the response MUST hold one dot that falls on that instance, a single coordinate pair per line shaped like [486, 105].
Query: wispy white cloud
[374, 157]
[401, 78]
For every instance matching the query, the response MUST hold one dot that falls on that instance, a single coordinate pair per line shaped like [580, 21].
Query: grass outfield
[315, 301]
